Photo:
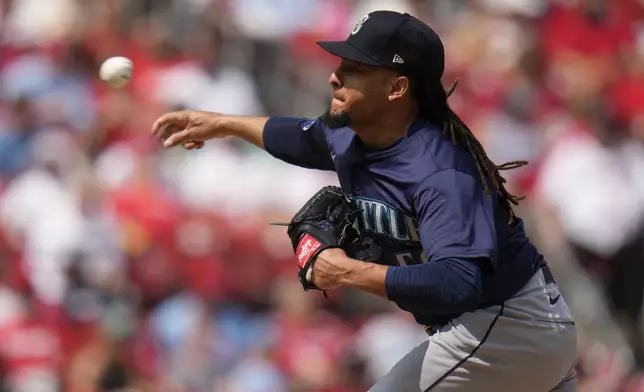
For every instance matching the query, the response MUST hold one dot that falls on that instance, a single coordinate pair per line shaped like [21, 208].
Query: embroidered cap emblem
[359, 25]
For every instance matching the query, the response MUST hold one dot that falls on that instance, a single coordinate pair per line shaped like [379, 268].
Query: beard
[335, 120]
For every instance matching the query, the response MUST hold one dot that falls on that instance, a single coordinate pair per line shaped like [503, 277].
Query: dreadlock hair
[433, 106]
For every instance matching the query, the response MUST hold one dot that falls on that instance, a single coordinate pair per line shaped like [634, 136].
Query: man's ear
[399, 88]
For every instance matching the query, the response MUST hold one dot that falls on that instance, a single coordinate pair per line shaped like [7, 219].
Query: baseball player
[450, 249]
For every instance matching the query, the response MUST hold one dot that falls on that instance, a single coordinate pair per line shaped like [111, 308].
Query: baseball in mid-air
[116, 71]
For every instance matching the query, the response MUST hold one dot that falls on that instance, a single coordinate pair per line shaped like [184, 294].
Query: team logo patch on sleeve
[306, 248]
[308, 126]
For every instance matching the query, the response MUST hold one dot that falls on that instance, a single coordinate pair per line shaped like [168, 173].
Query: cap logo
[358, 25]
[398, 59]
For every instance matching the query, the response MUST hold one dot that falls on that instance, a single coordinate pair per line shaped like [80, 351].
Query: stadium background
[127, 268]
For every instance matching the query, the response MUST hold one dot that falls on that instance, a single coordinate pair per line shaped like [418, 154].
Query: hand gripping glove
[325, 221]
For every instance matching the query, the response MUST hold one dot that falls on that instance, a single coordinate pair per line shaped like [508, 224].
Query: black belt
[547, 274]
[432, 329]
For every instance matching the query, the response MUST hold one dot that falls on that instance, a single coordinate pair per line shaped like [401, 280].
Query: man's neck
[385, 131]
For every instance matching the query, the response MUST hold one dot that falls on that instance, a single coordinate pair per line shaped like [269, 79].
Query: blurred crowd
[125, 267]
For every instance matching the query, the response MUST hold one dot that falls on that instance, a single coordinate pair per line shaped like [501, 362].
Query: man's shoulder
[339, 139]
[439, 153]
[311, 125]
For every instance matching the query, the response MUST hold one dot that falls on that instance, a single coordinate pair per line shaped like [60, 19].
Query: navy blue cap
[394, 40]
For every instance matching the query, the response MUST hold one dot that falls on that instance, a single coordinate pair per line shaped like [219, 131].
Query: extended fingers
[174, 129]
[178, 138]
[176, 119]
[193, 145]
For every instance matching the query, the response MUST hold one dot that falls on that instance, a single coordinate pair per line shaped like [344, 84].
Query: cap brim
[347, 51]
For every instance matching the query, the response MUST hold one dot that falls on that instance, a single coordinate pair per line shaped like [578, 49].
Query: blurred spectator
[16, 136]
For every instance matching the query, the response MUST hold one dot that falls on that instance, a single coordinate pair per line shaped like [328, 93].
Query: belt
[431, 329]
[547, 274]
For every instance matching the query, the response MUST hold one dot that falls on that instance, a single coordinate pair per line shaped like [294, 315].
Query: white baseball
[116, 71]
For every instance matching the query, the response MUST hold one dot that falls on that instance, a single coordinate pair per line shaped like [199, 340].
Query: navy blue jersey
[423, 202]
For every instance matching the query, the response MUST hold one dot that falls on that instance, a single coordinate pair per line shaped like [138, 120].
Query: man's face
[360, 93]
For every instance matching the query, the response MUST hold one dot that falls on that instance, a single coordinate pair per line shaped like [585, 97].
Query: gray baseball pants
[528, 345]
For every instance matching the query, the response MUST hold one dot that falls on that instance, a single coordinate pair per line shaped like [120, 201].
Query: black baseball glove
[327, 220]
